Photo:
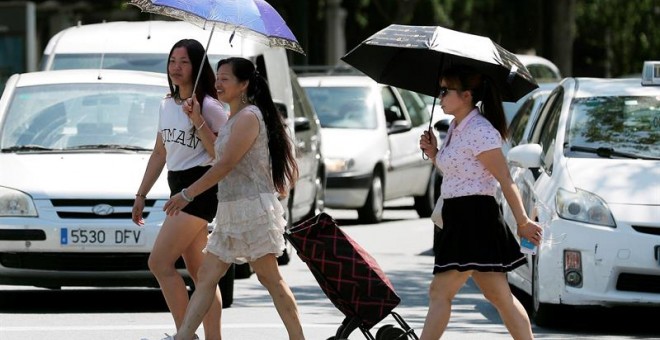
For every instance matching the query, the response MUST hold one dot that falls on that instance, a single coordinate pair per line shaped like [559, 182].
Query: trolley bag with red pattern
[349, 277]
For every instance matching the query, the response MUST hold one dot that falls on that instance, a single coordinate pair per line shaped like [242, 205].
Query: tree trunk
[562, 34]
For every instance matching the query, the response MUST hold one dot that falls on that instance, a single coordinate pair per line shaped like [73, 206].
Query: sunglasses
[444, 90]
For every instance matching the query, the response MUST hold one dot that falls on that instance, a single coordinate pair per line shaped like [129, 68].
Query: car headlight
[338, 164]
[583, 206]
[16, 203]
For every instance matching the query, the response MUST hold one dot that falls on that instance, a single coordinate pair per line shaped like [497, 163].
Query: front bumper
[620, 266]
[347, 191]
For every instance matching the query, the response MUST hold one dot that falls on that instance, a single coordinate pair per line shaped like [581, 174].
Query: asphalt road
[401, 246]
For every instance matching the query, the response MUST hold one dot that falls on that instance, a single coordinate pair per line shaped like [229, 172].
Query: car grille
[83, 208]
[94, 262]
[638, 283]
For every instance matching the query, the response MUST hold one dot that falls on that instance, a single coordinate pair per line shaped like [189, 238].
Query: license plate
[101, 237]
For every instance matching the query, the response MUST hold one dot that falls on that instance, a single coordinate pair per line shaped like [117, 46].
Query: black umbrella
[413, 58]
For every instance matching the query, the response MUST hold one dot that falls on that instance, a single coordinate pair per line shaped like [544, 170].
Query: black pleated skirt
[475, 237]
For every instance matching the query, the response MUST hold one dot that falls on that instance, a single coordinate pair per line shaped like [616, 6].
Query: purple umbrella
[252, 19]
[255, 19]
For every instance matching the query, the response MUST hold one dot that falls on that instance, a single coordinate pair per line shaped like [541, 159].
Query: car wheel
[424, 204]
[285, 258]
[372, 211]
[543, 314]
[243, 271]
[226, 286]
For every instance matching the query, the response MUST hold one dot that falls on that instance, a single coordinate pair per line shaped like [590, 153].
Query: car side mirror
[301, 124]
[399, 126]
[525, 156]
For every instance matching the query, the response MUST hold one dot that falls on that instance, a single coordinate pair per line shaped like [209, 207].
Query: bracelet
[185, 196]
[200, 126]
[140, 195]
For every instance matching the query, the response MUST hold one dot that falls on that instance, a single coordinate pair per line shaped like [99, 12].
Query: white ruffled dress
[250, 219]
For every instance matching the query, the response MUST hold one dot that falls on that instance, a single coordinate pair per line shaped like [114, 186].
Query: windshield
[69, 116]
[344, 107]
[626, 124]
[118, 61]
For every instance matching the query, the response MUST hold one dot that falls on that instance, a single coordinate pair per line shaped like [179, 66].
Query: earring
[243, 98]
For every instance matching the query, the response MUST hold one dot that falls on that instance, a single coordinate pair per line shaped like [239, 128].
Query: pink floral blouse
[463, 174]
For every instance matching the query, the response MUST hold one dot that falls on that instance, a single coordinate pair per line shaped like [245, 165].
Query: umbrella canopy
[255, 19]
[414, 57]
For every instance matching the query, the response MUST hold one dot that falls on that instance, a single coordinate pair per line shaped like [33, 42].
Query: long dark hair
[484, 91]
[282, 160]
[206, 84]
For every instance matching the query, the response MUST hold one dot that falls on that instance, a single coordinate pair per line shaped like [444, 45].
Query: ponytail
[280, 146]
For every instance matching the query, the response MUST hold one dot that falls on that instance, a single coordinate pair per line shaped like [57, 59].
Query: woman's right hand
[429, 144]
[138, 208]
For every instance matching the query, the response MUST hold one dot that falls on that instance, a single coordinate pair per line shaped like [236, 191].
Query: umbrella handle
[424, 157]
[199, 73]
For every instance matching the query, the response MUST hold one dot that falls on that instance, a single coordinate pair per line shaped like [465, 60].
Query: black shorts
[205, 204]
[475, 237]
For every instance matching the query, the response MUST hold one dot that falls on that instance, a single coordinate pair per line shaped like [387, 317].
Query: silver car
[370, 137]
[74, 146]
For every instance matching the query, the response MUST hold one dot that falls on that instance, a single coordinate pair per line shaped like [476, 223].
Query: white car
[593, 181]
[74, 145]
[543, 70]
[370, 138]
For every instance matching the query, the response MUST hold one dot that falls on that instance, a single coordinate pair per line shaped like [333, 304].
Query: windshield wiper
[609, 152]
[109, 146]
[26, 148]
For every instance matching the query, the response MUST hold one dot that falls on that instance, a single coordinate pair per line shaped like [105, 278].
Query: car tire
[243, 271]
[226, 286]
[372, 211]
[424, 204]
[285, 258]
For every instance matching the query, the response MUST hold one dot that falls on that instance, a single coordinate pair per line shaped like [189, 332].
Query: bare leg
[269, 275]
[175, 236]
[444, 287]
[496, 289]
[208, 275]
[193, 256]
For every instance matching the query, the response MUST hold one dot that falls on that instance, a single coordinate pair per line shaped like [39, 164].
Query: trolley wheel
[381, 331]
[389, 332]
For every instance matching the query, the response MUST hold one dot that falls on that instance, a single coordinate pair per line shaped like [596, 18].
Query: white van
[145, 45]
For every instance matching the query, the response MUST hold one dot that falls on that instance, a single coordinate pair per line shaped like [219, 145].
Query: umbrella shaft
[199, 73]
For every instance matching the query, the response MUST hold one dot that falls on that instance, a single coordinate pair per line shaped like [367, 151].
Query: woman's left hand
[174, 205]
[192, 109]
[531, 231]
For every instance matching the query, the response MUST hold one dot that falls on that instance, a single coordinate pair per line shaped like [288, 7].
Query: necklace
[177, 99]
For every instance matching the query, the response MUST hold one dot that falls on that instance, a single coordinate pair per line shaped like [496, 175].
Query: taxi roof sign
[651, 73]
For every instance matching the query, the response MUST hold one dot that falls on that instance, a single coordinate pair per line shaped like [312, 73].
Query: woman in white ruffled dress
[254, 163]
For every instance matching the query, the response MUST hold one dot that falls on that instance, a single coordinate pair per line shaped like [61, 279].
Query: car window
[542, 73]
[344, 107]
[118, 61]
[391, 106]
[72, 115]
[302, 107]
[519, 122]
[416, 107]
[629, 124]
[548, 132]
